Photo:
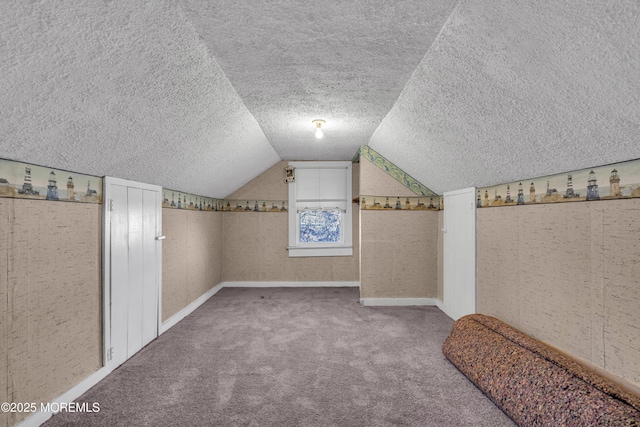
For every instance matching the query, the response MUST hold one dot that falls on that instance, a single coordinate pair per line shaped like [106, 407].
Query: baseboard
[69, 396]
[439, 304]
[397, 302]
[289, 284]
[75, 392]
[173, 320]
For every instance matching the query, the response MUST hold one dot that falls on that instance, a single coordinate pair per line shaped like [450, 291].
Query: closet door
[459, 230]
[133, 267]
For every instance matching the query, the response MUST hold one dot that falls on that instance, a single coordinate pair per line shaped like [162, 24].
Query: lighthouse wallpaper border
[613, 181]
[25, 181]
[172, 199]
[400, 203]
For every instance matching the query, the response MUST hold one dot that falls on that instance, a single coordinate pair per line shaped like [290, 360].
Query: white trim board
[70, 395]
[398, 302]
[289, 284]
[79, 389]
[173, 320]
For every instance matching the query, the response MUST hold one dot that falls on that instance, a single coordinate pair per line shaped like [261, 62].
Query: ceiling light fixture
[319, 123]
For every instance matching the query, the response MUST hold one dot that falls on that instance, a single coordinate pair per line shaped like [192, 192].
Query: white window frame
[313, 249]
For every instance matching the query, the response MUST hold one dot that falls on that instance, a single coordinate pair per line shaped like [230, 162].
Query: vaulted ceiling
[202, 96]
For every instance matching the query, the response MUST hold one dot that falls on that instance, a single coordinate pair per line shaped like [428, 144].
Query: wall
[399, 254]
[50, 299]
[399, 249]
[191, 256]
[254, 243]
[567, 274]
[374, 180]
[440, 261]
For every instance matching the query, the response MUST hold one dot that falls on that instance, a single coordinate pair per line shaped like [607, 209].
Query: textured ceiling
[124, 89]
[342, 61]
[519, 89]
[202, 96]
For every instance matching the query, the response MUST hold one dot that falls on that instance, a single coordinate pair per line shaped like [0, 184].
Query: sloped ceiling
[202, 96]
[342, 61]
[518, 89]
[124, 89]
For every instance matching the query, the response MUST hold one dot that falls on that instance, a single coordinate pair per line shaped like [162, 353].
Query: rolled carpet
[533, 383]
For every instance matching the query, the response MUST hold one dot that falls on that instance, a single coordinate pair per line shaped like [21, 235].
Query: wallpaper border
[574, 186]
[28, 181]
[400, 203]
[392, 170]
[172, 199]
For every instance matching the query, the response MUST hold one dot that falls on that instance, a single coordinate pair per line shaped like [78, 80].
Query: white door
[459, 296]
[132, 255]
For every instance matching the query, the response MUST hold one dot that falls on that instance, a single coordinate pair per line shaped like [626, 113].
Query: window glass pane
[319, 226]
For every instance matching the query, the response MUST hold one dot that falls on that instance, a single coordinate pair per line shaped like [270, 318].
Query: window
[320, 209]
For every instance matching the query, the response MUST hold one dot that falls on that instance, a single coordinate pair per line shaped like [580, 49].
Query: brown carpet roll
[533, 383]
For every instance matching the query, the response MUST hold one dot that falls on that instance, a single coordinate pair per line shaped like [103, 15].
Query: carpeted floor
[292, 357]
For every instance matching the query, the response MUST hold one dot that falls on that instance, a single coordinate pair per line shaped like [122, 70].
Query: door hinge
[110, 205]
[110, 354]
